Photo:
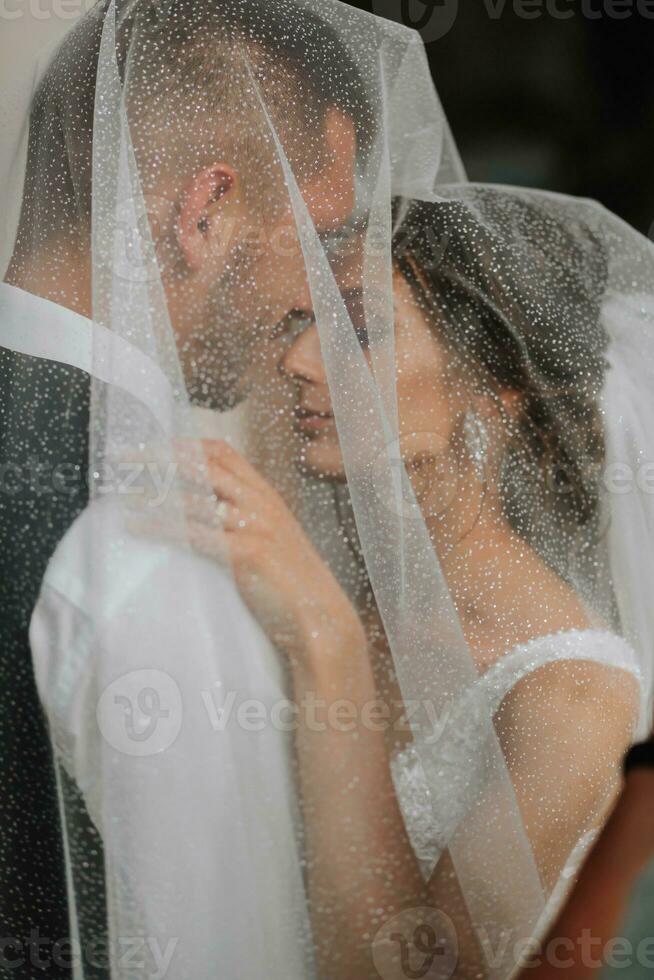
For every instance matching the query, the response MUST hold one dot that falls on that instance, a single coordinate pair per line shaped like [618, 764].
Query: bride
[502, 435]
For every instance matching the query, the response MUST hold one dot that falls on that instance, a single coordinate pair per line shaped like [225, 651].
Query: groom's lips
[311, 420]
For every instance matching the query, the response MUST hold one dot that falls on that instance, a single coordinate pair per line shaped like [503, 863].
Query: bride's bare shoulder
[528, 602]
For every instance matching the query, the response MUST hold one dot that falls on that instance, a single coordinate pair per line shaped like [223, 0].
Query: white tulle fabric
[629, 422]
[202, 843]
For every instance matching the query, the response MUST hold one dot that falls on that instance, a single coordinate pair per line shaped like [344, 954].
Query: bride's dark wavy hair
[516, 294]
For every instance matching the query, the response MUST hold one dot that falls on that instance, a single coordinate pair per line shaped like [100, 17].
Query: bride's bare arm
[564, 730]
[599, 900]
[362, 869]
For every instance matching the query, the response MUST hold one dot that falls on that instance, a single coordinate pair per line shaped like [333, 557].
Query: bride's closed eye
[293, 324]
[297, 321]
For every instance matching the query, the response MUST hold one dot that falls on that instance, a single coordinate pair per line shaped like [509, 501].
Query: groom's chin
[216, 375]
[218, 394]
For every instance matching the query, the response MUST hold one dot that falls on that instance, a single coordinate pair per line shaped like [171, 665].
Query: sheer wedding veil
[314, 132]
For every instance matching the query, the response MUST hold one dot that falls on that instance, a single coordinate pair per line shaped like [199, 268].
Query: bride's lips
[312, 420]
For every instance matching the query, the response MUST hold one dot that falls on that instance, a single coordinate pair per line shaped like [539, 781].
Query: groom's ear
[203, 216]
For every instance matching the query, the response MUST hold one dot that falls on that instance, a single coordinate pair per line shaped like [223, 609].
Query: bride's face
[429, 402]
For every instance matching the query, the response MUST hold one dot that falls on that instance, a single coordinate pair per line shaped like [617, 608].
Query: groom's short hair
[196, 57]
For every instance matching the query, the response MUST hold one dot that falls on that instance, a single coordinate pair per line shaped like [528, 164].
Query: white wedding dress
[431, 820]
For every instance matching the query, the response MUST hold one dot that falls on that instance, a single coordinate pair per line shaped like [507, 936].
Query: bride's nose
[303, 361]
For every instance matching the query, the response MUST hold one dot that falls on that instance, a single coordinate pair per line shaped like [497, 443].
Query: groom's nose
[303, 360]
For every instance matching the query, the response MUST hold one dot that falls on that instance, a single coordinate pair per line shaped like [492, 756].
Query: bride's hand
[283, 579]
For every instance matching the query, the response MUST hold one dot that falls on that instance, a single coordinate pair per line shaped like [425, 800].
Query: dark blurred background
[563, 104]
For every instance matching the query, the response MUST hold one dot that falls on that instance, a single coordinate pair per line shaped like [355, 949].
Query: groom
[44, 404]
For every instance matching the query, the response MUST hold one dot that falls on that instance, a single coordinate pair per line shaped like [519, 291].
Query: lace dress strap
[431, 821]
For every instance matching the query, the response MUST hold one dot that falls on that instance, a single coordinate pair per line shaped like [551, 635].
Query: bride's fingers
[199, 462]
[218, 544]
[191, 465]
[223, 471]
[220, 452]
[229, 486]
[210, 542]
[192, 457]
[197, 504]
[214, 513]
[225, 484]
